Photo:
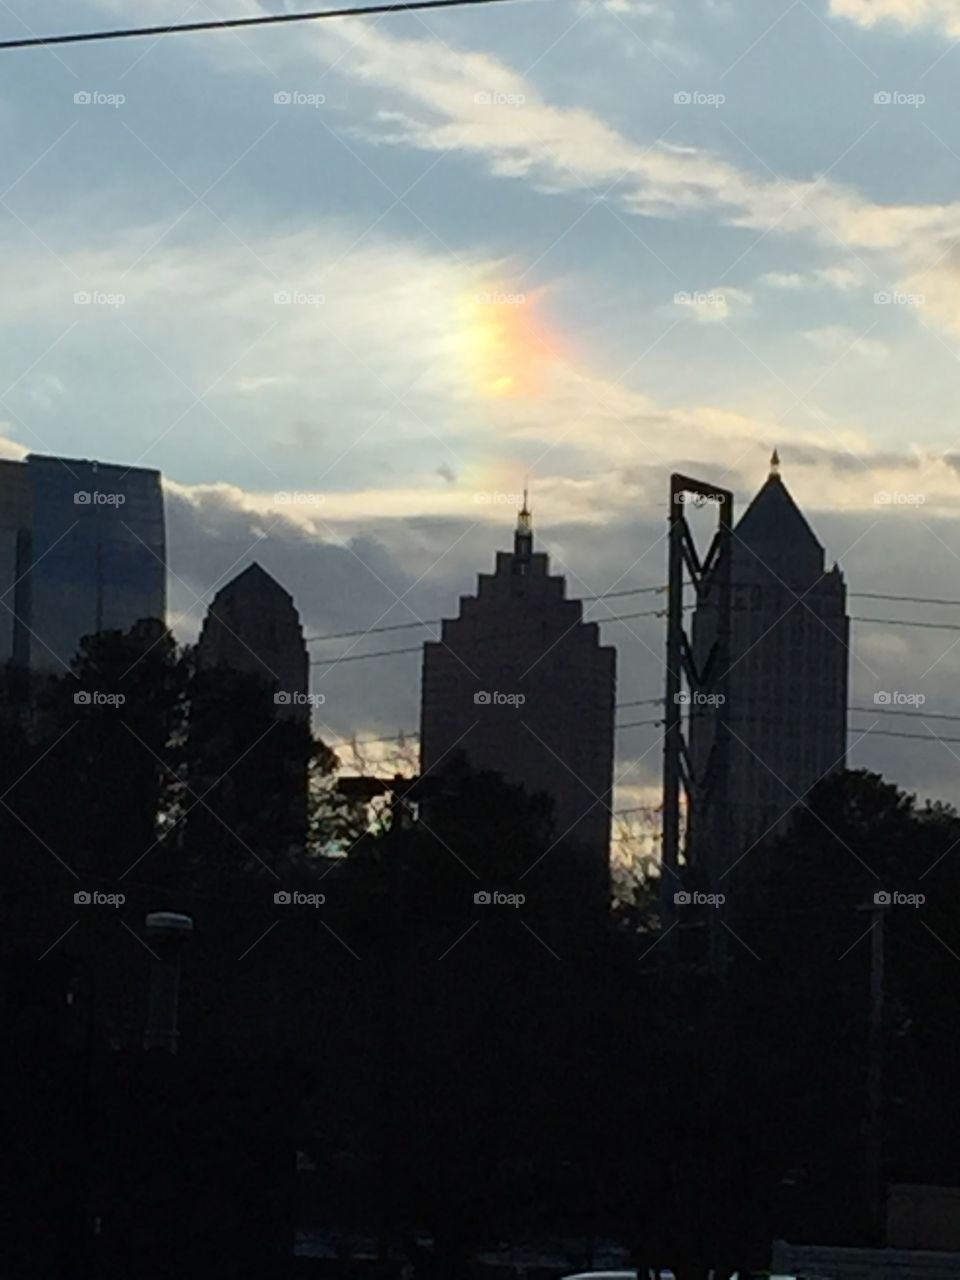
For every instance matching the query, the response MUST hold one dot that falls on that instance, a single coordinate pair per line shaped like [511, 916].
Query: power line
[226, 24]
[360, 657]
[907, 622]
[801, 593]
[436, 622]
[418, 648]
[880, 595]
[892, 732]
[413, 735]
[892, 711]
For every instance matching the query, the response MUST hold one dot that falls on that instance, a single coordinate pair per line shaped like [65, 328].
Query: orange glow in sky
[508, 348]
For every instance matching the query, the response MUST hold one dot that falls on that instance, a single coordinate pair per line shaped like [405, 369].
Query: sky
[351, 284]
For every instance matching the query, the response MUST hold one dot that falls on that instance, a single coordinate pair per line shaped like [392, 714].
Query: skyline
[890, 715]
[718, 301]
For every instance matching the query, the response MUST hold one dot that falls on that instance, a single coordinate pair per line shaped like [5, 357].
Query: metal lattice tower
[697, 688]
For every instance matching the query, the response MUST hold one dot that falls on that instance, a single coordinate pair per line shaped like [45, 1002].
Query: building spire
[523, 538]
[774, 464]
[524, 518]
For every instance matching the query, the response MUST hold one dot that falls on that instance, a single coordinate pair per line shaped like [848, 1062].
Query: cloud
[784, 280]
[713, 305]
[836, 338]
[912, 14]
[431, 95]
[474, 103]
[12, 449]
[840, 277]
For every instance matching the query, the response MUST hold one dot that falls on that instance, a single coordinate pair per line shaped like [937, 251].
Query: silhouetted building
[250, 741]
[82, 550]
[253, 626]
[521, 685]
[788, 666]
[14, 558]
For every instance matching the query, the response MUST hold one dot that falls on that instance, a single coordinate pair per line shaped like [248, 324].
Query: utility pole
[873, 1147]
[401, 791]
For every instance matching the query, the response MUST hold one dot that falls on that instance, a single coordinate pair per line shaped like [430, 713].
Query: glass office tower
[89, 555]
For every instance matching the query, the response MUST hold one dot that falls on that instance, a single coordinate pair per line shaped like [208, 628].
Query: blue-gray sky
[585, 242]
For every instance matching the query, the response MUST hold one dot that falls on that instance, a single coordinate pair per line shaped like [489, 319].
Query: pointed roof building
[775, 531]
[253, 625]
[788, 673]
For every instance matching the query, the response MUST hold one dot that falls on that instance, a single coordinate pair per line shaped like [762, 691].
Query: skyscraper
[253, 626]
[789, 652]
[521, 685]
[250, 741]
[14, 552]
[82, 550]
